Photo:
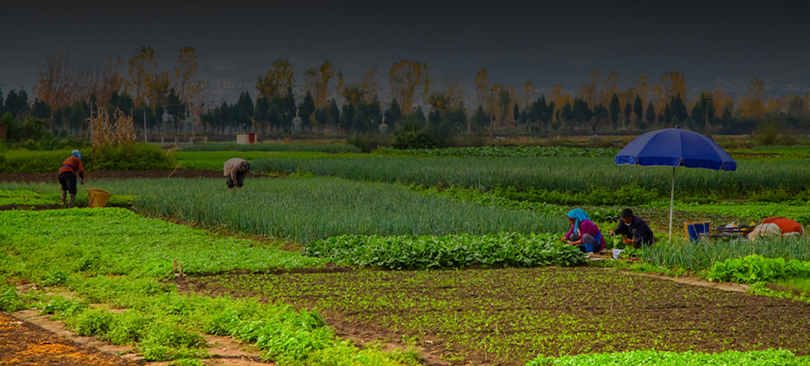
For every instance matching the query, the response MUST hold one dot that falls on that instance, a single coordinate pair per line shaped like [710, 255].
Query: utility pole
[144, 127]
[491, 114]
[706, 101]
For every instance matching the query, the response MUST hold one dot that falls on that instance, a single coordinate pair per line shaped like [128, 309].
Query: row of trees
[69, 88]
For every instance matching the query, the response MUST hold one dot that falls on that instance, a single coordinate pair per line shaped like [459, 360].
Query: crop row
[505, 152]
[214, 160]
[561, 174]
[660, 358]
[700, 255]
[24, 197]
[308, 209]
[331, 147]
[451, 251]
[756, 268]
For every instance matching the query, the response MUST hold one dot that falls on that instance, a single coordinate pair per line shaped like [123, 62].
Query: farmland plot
[514, 315]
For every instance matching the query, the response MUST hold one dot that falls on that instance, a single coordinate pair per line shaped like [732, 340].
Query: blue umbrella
[675, 147]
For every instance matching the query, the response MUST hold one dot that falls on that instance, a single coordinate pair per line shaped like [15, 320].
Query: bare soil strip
[26, 343]
[689, 280]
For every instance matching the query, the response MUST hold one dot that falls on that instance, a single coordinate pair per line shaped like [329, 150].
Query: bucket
[616, 253]
[97, 197]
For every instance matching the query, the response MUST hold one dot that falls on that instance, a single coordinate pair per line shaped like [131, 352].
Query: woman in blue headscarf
[583, 232]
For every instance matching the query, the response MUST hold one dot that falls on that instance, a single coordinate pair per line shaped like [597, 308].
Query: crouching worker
[67, 176]
[583, 232]
[235, 170]
[634, 229]
[776, 226]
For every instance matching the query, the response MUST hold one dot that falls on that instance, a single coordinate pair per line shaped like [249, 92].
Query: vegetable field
[510, 316]
[416, 257]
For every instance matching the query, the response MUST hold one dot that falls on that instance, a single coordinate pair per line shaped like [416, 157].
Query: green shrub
[422, 138]
[133, 157]
[91, 322]
[127, 157]
[53, 277]
[63, 306]
[368, 142]
[9, 300]
[130, 327]
[166, 341]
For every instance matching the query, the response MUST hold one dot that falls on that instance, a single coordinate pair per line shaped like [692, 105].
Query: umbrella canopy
[675, 147]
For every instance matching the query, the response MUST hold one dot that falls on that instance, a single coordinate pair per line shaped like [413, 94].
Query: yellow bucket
[97, 197]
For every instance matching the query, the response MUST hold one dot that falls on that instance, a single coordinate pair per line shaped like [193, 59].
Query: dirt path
[26, 343]
[123, 174]
[26, 338]
[695, 281]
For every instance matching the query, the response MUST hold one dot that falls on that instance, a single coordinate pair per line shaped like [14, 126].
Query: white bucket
[616, 253]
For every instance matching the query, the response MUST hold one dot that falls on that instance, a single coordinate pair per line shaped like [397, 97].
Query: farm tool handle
[175, 169]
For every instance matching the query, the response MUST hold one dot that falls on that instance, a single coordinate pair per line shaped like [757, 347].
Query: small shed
[243, 138]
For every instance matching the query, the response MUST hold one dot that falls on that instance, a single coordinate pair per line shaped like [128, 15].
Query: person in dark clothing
[71, 167]
[236, 169]
[634, 229]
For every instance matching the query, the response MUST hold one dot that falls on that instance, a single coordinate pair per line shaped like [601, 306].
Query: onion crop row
[563, 174]
[304, 210]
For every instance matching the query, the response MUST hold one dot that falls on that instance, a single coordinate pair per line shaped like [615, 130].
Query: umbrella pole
[671, 202]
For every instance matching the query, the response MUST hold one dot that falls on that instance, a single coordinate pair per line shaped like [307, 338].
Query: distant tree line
[413, 104]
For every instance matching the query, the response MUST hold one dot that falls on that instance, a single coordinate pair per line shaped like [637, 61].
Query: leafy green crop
[24, 197]
[115, 257]
[504, 152]
[117, 241]
[659, 358]
[331, 147]
[424, 252]
[756, 268]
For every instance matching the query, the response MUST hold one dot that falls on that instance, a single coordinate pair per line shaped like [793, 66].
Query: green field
[510, 316]
[560, 174]
[214, 160]
[451, 254]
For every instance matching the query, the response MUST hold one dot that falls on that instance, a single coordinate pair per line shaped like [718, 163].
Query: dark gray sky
[712, 43]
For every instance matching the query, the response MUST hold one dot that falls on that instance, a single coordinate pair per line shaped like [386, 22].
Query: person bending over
[235, 170]
[583, 232]
[634, 229]
[67, 176]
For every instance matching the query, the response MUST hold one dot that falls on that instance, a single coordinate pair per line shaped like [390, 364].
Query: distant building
[243, 138]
